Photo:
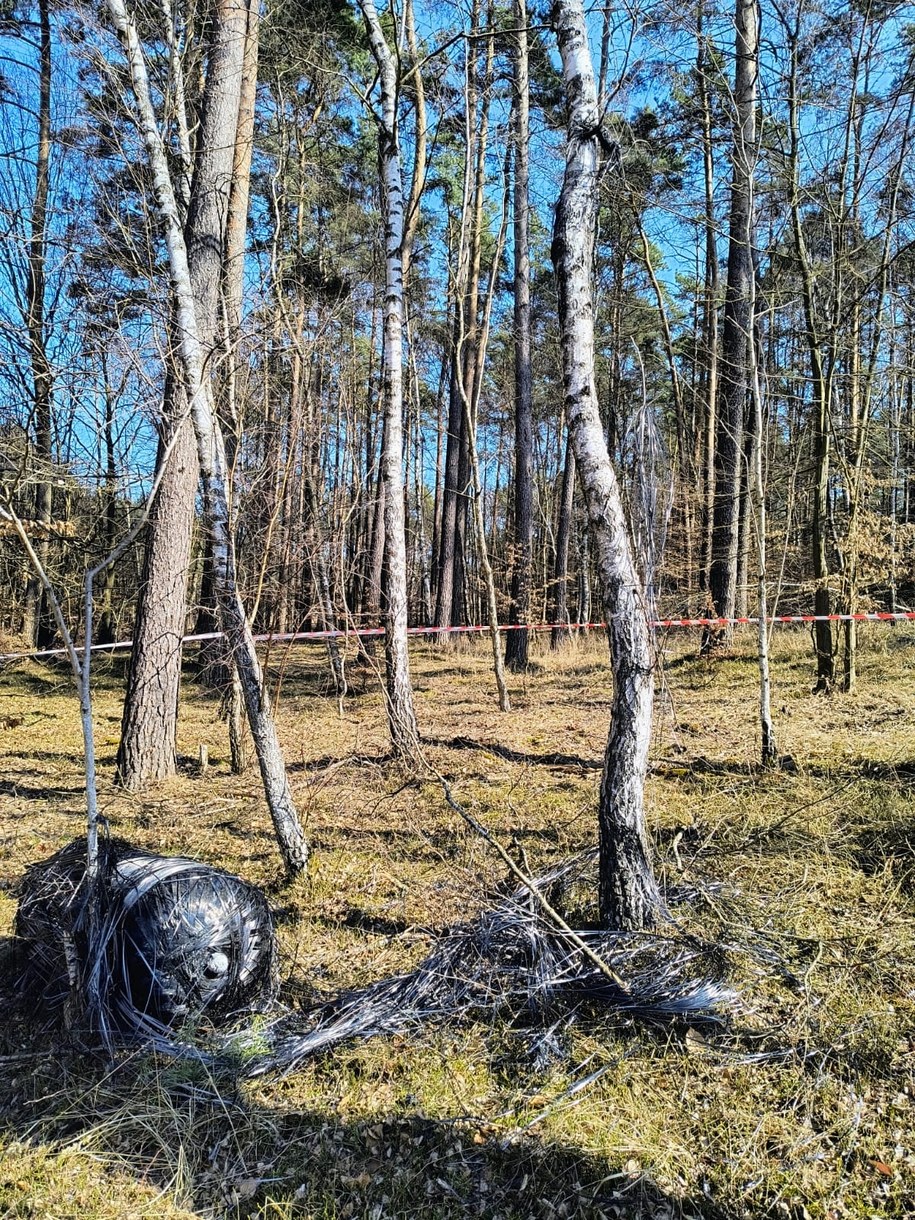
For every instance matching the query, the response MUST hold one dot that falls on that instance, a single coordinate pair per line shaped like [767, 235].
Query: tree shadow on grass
[218, 1146]
[877, 844]
[25, 792]
[327, 761]
[210, 1145]
[547, 759]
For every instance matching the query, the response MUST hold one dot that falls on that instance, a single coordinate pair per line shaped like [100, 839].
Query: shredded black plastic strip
[184, 959]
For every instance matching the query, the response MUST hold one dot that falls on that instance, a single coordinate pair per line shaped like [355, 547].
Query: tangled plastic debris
[183, 957]
[173, 941]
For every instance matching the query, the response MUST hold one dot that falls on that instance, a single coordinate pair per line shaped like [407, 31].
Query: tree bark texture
[732, 403]
[146, 752]
[212, 458]
[399, 688]
[629, 896]
[149, 728]
[516, 650]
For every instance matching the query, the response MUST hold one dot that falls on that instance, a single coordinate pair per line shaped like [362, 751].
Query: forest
[440, 442]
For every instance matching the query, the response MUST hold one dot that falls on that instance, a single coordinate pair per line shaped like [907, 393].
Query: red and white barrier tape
[293, 637]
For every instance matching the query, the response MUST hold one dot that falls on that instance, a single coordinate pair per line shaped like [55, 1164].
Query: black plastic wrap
[172, 941]
[183, 956]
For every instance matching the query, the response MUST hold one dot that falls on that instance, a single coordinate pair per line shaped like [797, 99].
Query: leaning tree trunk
[399, 689]
[150, 719]
[212, 457]
[629, 896]
[233, 297]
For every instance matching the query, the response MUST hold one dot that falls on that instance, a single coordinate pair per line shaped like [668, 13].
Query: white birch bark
[150, 719]
[398, 686]
[212, 457]
[768, 748]
[629, 896]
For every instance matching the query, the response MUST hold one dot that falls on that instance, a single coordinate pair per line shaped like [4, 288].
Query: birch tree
[212, 458]
[149, 726]
[629, 896]
[399, 688]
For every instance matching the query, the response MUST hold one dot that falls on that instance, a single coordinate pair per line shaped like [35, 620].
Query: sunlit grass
[451, 1121]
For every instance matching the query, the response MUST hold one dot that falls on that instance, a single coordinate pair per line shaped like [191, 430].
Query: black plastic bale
[177, 945]
[172, 941]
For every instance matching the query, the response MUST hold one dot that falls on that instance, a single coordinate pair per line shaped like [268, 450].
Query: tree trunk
[150, 719]
[38, 624]
[450, 602]
[212, 457]
[444, 589]
[821, 391]
[583, 613]
[516, 650]
[735, 332]
[107, 625]
[146, 752]
[629, 896]
[560, 610]
[756, 493]
[471, 414]
[399, 689]
[709, 310]
[232, 298]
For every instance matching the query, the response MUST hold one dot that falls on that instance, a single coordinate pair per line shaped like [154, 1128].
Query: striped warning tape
[293, 637]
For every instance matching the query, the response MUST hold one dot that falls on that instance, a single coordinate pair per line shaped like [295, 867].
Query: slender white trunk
[768, 749]
[212, 457]
[756, 479]
[399, 688]
[629, 895]
[471, 415]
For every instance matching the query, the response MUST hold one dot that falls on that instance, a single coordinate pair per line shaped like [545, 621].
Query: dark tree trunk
[516, 649]
[147, 749]
[733, 398]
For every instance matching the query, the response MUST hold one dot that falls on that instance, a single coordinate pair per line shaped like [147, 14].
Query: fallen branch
[583, 947]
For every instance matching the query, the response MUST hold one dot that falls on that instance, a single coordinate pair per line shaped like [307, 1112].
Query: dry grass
[819, 862]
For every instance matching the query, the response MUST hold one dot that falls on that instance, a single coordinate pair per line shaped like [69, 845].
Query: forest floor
[817, 860]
